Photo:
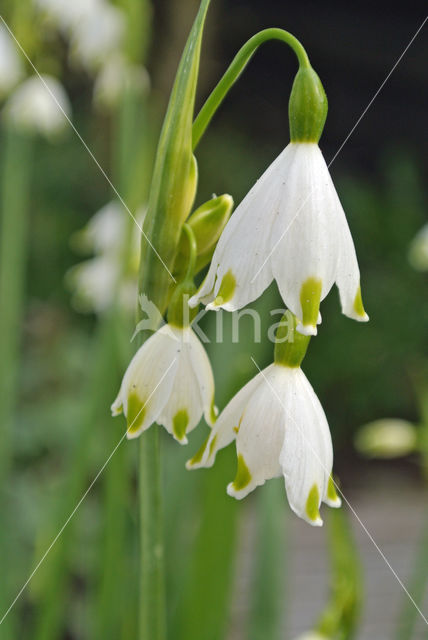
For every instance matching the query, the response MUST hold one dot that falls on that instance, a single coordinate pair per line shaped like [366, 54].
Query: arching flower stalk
[280, 428]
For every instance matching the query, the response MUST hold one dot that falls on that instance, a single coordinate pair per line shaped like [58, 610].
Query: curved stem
[193, 251]
[235, 69]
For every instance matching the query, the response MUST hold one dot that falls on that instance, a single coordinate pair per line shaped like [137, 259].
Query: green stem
[235, 69]
[15, 182]
[152, 588]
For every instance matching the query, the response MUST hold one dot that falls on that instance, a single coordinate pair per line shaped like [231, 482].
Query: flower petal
[239, 271]
[305, 241]
[226, 426]
[307, 454]
[148, 381]
[261, 434]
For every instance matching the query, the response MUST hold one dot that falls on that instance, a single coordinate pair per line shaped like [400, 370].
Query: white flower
[96, 36]
[280, 429]
[95, 28]
[387, 438]
[95, 281]
[38, 105]
[169, 381]
[116, 76]
[290, 227]
[11, 67]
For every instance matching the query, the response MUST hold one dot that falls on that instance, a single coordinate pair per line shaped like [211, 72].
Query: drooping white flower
[94, 281]
[169, 381]
[39, 105]
[292, 228]
[280, 429]
[11, 67]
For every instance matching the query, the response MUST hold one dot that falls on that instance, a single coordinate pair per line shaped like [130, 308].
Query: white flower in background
[117, 76]
[95, 281]
[280, 429]
[11, 67]
[292, 228]
[95, 28]
[312, 635]
[168, 381]
[38, 106]
[418, 252]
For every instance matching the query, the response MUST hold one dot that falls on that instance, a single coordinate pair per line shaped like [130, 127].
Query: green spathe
[174, 178]
[307, 108]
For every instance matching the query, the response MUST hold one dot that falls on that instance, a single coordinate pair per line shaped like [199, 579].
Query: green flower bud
[387, 438]
[307, 108]
[207, 224]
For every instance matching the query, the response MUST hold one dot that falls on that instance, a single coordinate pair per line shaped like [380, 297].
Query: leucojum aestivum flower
[290, 227]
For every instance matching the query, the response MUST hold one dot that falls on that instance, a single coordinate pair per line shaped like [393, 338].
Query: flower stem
[235, 69]
[152, 587]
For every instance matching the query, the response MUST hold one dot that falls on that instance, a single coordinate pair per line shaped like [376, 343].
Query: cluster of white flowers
[290, 227]
[95, 281]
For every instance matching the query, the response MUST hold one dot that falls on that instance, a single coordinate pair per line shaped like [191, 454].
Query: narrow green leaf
[174, 179]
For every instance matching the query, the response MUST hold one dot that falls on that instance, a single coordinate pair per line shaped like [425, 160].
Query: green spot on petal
[227, 289]
[212, 445]
[312, 504]
[243, 475]
[310, 298]
[200, 452]
[136, 413]
[213, 414]
[331, 491]
[179, 424]
[358, 304]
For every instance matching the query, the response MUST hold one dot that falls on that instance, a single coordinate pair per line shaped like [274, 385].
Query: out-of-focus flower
[290, 227]
[280, 429]
[95, 281]
[387, 438]
[116, 76]
[38, 105]
[169, 381]
[312, 635]
[418, 252]
[95, 28]
[11, 67]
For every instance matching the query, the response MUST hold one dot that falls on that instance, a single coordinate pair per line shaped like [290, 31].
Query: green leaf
[174, 179]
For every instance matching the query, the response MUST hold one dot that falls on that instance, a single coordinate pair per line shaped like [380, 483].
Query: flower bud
[387, 438]
[307, 108]
[207, 223]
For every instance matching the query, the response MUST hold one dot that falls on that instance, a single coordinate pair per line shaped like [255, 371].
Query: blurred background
[235, 571]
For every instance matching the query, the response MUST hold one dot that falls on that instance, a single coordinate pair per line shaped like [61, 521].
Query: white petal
[192, 392]
[307, 455]
[245, 242]
[225, 428]
[261, 434]
[348, 274]
[305, 240]
[148, 381]
[11, 67]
